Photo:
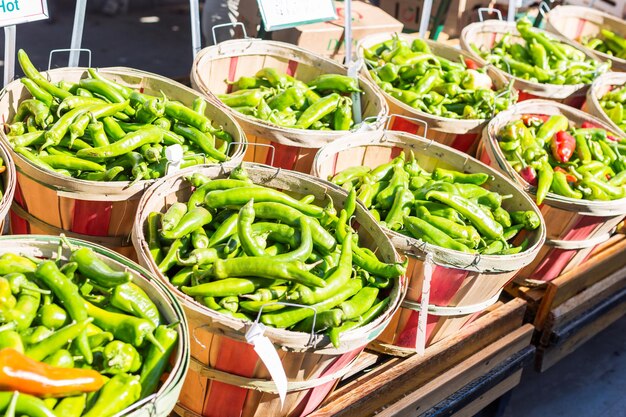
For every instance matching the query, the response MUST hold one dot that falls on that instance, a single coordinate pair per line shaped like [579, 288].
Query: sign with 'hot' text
[13, 12]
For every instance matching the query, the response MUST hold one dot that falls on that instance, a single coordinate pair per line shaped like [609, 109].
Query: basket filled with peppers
[600, 32]
[543, 65]
[7, 183]
[85, 332]
[88, 141]
[476, 227]
[606, 100]
[257, 247]
[288, 100]
[573, 165]
[436, 84]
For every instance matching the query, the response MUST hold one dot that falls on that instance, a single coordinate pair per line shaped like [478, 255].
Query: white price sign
[14, 12]
[282, 14]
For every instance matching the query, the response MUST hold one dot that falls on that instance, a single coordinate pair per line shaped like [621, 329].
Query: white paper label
[266, 351]
[282, 14]
[14, 12]
[174, 155]
[420, 338]
[353, 71]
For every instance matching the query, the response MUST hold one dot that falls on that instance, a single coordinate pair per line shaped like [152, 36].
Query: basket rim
[119, 185]
[389, 138]
[203, 56]
[588, 207]
[495, 75]
[238, 325]
[11, 180]
[509, 27]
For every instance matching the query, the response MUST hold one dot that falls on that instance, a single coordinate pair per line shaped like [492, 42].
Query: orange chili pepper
[20, 373]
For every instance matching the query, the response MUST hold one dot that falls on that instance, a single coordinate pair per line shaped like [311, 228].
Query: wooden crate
[576, 306]
[461, 374]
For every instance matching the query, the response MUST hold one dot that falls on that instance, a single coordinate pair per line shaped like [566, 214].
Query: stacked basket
[270, 144]
[101, 212]
[226, 377]
[462, 284]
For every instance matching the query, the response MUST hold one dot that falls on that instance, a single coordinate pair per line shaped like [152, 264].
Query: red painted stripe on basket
[576, 102]
[285, 156]
[525, 96]
[232, 68]
[492, 41]
[91, 217]
[225, 400]
[580, 28]
[395, 151]
[445, 283]
[19, 226]
[404, 125]
[484, 157]
[557, 259]
[464, 142]
[292, 66]
[316, 395]
[335, 160]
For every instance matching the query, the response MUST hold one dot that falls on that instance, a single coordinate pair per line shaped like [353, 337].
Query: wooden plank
[569, 338]
[435, 390]
[566, 286]
[490, 396]
[479, 389]
[586, 300]
[401, 375]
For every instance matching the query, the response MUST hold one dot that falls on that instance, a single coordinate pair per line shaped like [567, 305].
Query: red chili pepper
[589, 125]
[528, 119]
[563, 146]
[471, 64]
[568, 176]
[529, 174]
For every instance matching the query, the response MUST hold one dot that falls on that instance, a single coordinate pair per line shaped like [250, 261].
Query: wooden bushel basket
[270, 144]
[574, 227]
[97, 211]
[461, 284]
[491, 31]
[226, 377]
[602, 85]
[461, 134]
[161, 403]
[8, 184]
[575, 22]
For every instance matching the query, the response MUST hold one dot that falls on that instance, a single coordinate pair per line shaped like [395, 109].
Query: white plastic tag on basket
[266, 351]
[174, 155]
[420, 337]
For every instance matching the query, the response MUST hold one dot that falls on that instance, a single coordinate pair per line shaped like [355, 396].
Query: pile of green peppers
[75, 315]
[435, 85]
[548, 152]
[446, 208]
[99, 130]
[237, 247]
[608, 42]
[322, 104]
[614, 103]
[541, 59]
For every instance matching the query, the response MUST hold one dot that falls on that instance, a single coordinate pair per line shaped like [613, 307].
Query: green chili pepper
[193, 219]
[91, 266]
[169, 260]
[335, 332]
[57, 340]
[31, 72]
[204, 141]
[25, 405]
[335, 82]
[325, 106]
[545, 179]
[71, 406]
[119, 392]
[129, 142]
[156, 361]
[132, 299]
[452, 176]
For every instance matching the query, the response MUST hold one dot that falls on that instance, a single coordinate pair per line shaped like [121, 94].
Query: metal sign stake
[348, 32]
[425, 18]
[9, 53]
[196, 42]
[511, 12]
[77, 33]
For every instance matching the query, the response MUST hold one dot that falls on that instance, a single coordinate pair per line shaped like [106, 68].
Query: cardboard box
[409, 13]
[325, 38]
